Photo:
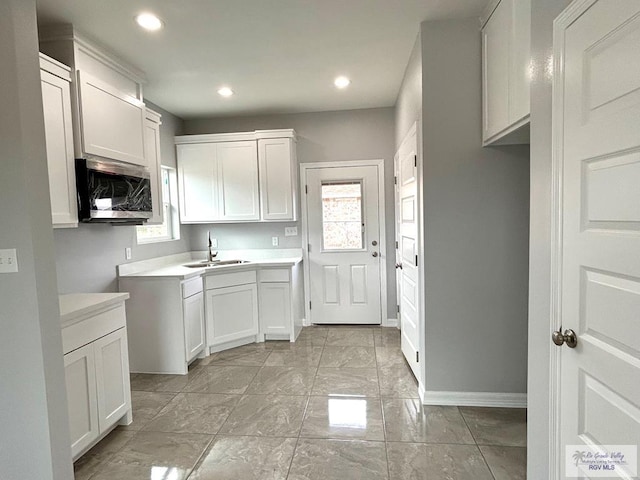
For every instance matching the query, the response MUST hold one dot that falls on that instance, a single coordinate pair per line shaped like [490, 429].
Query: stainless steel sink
[215, 263]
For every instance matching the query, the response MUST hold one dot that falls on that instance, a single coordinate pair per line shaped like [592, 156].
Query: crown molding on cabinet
[236, 137]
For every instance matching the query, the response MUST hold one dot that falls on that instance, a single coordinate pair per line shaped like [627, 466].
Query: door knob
[569, 337]
[399, 265]
[375, 254]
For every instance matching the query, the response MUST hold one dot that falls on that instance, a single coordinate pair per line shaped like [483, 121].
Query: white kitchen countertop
[173, 265]
[75, 306]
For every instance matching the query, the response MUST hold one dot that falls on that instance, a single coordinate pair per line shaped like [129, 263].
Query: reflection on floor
[340, 403]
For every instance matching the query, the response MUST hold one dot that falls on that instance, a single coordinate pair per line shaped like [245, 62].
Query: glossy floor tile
[407, 420]
[246, 458]
[506, 463]
[316, 459]
[339, 403]
[497, 426]
[194, 413]
[442, 462]
[343, 417]
[350, 357]
[266, 415]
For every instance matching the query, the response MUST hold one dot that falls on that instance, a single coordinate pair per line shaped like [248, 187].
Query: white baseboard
[390, 322]
[306, 323]
[474, 399]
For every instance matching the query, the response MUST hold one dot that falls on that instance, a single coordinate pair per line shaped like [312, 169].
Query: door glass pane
[342, 216]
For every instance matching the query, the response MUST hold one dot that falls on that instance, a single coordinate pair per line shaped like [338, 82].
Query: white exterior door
[407, 253]
[597, 117]
[344, 244]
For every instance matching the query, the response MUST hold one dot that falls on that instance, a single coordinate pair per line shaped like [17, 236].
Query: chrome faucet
[212, 254]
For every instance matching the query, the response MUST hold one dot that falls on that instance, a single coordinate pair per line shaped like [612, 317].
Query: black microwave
[113, 192]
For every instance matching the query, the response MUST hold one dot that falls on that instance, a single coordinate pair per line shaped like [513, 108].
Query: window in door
[342, 216]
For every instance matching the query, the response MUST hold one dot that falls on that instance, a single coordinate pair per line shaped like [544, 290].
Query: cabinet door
[276, 167]
[197, 183]
[193, 312]
[112, 121]
[232, 313]
[152, 151]
[496, 37]
[238, 181]
[519, 78]
[275, 308]
[56, 104]
[82, 404]
[112, 378]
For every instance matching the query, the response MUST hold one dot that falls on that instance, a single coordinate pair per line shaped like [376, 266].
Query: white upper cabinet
[238, 181]
[506, 40]
[244, 177]
[108, 113]
[278, 178]
[56, 105]
[198, 183]
[152, 152]
[112, 121]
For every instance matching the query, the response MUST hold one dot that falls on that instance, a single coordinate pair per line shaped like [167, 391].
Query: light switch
[8, 261]
[274, 241]
[290, 231]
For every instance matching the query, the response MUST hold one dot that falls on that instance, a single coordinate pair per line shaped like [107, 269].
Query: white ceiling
[279, 56]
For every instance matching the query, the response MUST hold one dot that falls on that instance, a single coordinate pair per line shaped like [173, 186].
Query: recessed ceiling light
[225, 92]
[149, 21]
[342, 82]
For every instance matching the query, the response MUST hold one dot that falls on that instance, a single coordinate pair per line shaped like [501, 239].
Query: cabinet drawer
[274, 275]
[191, 287]
[230, 279]
[86, 331]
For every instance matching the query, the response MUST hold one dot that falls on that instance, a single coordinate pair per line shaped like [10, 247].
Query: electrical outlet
[214, 243]
[8, 261]
[127, 253]
[290, 231]
[274, 241]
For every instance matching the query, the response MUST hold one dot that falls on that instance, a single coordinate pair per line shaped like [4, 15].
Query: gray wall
[34, 432]
[322, 137]
[542, 14]
[476, 203]
[86, 257]
[409, 102]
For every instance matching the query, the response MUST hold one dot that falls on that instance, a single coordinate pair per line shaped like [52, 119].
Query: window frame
[170, 210]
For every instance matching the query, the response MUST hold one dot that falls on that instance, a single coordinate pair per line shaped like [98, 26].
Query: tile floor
[340, 403]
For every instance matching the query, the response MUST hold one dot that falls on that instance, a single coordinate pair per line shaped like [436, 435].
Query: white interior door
[407, 263]
[597, 95]
[344, 244]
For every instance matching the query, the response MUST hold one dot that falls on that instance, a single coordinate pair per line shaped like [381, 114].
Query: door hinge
[309, 247]
[396, 244]
[306, 189]
[309, 305]
[398, 307]
[416, 260]
[417, 357]
[415, 160]
[395, 180]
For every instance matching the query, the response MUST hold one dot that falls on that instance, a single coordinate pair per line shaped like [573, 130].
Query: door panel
[193, 312]
[408, 296]
[600, 262]
[232, 313]
[238, 185]
[112, 378]
[344, 236]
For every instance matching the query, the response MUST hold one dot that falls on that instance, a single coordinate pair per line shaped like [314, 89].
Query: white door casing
[595, 394]
[345, 285]
[409, 294]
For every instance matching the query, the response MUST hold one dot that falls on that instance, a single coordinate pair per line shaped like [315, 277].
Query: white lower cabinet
[96, 363]
[165, 323]
[275, 310]
[232, 310]
[194, 334]
[82, 399]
